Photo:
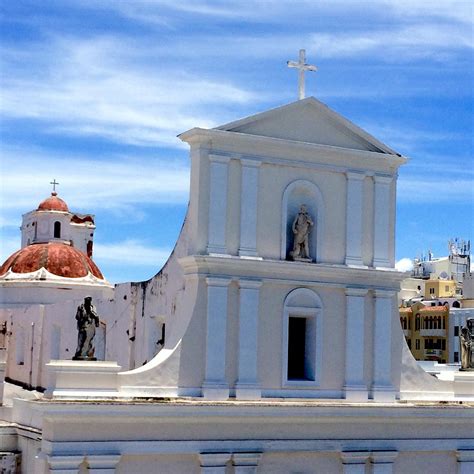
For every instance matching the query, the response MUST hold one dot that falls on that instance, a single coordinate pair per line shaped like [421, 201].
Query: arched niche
[297, 193]
[302, 339]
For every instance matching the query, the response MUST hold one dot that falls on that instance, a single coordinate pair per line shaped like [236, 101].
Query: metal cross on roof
[302, 67]
[54, 183]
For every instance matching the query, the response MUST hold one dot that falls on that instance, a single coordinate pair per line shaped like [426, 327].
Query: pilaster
[353, 462]
[64, 464]
[354, 208]
[355, 386]
[246, 463]
[247, 384]
[382, 461]
[218, 184]
[249, 208]
[382, 389]
[214, 463]
[215, 385]
[382, 211]
[465, 462]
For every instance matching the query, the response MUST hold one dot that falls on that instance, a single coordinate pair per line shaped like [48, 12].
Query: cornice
[278, 147]
[286, 272]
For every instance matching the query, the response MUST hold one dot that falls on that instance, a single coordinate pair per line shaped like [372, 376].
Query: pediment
[309, 121]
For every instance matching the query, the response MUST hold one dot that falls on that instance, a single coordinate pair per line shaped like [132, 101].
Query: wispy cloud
[443, 189]
[396, 44]
[120, 183]
[93, 87]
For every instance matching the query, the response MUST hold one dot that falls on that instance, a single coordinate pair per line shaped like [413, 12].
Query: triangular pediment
[309, 121]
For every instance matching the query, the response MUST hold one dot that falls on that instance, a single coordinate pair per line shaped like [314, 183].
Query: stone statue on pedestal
[466, 345]
[87, 321]
[301, 227]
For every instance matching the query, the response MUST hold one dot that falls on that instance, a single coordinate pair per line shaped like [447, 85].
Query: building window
[456, 357]
[302, 338]
[299, 358]
[432, 291]
[456, 331]
[446, 288]
[57, 230]
[409, 343]
[443, 344]
[417, 344]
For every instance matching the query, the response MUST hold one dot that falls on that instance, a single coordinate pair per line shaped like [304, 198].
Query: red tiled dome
[53, 203]
[58, 258]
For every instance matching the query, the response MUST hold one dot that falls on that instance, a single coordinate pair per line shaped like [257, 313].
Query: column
[465, 461]
[382, 461]
[214, 463]
[104, 464]
[248, 208]
[215, 386]
[247, 383]
[354, 207]
[64, 464]
[355, 386]
[382, 210]
[246, 463]
[382, 389]
[218, 183]
[353, 462]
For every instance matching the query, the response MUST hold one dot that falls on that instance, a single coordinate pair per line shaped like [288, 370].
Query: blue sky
[94, 93]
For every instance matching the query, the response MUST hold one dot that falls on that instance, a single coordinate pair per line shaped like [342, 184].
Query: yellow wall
[440, 288]
[426, 331]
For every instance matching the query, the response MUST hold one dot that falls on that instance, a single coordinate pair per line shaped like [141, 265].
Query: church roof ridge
[321, 106]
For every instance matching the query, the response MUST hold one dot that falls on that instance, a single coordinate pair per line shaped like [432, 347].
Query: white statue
[301, 227]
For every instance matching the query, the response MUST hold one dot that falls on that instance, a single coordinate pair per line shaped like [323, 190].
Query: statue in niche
[301, 227]
[87, 320]
[466, 344]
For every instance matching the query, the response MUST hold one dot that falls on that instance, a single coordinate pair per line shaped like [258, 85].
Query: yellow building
[440, 289]
[426, 331]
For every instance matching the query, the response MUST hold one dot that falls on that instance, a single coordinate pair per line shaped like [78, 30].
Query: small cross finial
[54, 183]
[302, 67]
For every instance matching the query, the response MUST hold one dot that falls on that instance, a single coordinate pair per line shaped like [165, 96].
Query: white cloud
[119, 183]
[423, 189]
[404, 265]
[131, 252]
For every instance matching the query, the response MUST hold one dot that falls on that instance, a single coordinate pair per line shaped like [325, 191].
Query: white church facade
[273, 358]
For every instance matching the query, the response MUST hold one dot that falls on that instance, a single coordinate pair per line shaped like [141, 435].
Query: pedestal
[82, 379]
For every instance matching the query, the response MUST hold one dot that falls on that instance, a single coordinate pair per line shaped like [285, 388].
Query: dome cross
[54, 183]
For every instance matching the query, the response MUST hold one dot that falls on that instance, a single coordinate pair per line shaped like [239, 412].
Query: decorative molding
[249, 284]
[351, 291]
[218, 281]
[251, 163]
[355, 457]
[219, 158]
[383, 457]
[383, 179]
[356, 175]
